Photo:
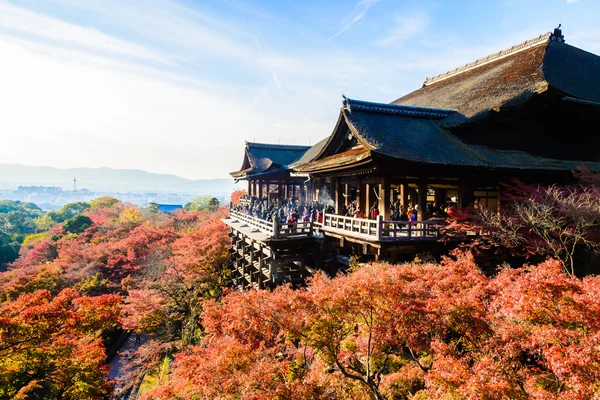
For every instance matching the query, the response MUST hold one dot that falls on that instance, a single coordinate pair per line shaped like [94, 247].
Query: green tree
[103, 202]
[203, 203]
[10, 205]
[43, 223]
[69, 211]
[16, 222]
[77, 224]
[9, 250]
[153, 207]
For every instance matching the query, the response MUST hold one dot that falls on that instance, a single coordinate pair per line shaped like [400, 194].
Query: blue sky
[177, 87]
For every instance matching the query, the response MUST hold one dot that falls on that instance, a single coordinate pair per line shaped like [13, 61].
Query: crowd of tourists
[293, 210]
[287, 210]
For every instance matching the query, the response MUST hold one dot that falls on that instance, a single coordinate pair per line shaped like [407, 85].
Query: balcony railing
[275, 229]
[367, 229]
[380, 230]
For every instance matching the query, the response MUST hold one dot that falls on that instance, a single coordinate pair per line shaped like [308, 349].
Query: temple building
[266, 169]
[524, 113]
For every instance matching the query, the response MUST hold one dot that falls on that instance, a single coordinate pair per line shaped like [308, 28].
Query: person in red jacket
[374, 211]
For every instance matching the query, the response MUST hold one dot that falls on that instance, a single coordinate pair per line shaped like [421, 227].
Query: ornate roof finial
[345, 103]
[557, 35]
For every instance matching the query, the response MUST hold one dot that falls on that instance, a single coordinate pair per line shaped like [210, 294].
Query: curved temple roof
[413, 127]
[388, 131]
[262, 158]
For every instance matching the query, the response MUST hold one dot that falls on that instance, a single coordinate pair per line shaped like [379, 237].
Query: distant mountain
[108, 179]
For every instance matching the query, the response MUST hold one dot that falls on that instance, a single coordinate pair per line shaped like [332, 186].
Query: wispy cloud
[406, 27]
[22, 22]
[175, 76]
[276, 80]
[356, 15]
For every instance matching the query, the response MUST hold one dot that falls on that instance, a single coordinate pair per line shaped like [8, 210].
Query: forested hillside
[77, 287]
[419, 330]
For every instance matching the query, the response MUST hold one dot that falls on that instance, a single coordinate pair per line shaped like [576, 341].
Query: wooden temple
[524, 113]
[266, 169]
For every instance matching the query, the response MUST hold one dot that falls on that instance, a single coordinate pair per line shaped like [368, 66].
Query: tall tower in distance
[74, 184]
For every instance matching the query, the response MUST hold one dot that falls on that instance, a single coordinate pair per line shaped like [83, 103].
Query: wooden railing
[380, 230]
[351, 225]
[367, 229]
[276, 229]
[419, 230]
[249, 220]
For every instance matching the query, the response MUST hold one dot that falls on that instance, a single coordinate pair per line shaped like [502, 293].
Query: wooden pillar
[404, 194]
[332, 189]
[346, 190]
[274, 270]
[360, 199]
[384, 199]
[440, 196]
[302, 194]
[293, 190]
[260, 190]
[307, 192]
[279, 192]
[422, 201]
[465, 194]
[369, 197]
[499, 199]
[338, 196]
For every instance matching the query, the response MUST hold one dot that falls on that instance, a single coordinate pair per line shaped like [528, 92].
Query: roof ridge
[543, 38]
[386, 108]
[277, 146]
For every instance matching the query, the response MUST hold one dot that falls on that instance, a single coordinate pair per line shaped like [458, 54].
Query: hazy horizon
[108, 179]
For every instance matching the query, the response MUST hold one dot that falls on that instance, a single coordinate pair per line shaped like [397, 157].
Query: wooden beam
[360, 199]
[346, 190]
[339, 198]
[422, 200]
[369, 197]
[279, 192]
[404, 193]
[465, 194]
[384, 199]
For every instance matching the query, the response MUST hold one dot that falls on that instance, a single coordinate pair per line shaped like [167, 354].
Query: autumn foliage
[411, 331]
[416, 331]
[76, 287]
[562, 222]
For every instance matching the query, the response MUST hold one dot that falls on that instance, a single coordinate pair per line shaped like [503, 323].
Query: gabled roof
[310, 153]
[410, 134]
[261, 158]
[510, 78]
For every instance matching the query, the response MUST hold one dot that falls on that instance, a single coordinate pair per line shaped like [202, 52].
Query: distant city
[51, 188]
[53, 197]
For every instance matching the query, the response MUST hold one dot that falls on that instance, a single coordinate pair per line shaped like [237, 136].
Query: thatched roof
[262, 158]
[509, 79]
